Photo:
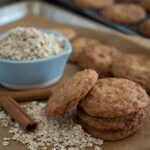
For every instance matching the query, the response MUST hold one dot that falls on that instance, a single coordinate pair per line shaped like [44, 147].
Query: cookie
[127, 1]
[110, 135]
[69, 33]
[119, 123]
[96, 4]
[144, 28]
[145, 4]
[78, 44]
[135, 67]
[124, 13]
[70, 93]
[98, 57]
[114, 97]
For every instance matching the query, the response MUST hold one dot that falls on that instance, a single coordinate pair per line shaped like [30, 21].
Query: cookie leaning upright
[135, 67]
[98, 57]
[124, 13]
[71, 92]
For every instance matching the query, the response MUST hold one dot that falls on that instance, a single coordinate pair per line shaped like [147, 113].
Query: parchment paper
[140, 140]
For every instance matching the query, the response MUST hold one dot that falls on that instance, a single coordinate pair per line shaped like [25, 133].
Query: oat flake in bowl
[23, 43]
[32, 58]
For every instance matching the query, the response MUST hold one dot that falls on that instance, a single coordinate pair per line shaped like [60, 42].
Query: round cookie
[145, 4]
[78, 44]
[124, 13]
[135, 67]
[96, 4]
[119, 123]
[144, 28]
[69, 33]
[98, 57]
[114, 97]
[128, 1]
[110, 135]
[70, 93]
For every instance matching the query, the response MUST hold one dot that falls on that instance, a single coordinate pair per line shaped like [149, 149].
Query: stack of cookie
[114, 109]
[108, 108]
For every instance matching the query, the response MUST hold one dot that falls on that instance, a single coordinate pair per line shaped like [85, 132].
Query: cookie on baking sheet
[110, 135]
[69, 33]
[119, 123]
[114, 97]
[71, 92]
[135, 67]
[128, 1]
[78, 44]
[98, 57]
[144, 28]
[145, 4]
[125, 13]
[97, 4]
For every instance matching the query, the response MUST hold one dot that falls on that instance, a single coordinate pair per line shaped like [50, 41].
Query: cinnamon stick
[37, 95]
[17, 113]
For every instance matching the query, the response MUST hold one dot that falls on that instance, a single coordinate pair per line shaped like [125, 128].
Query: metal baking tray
[95, 14]
[20, 9]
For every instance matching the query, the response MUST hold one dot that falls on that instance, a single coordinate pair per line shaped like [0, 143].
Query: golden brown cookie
[144, 28]
[98, 57]
[70, 93]
[145, 4]
[119, 123]
[114, 97]
[78, 44]
[97, 4]
[135, 67]
[124, 13]
[110, 135]
[128, 1]
[69, 33]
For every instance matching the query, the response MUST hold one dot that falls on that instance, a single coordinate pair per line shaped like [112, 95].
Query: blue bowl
[34, 74]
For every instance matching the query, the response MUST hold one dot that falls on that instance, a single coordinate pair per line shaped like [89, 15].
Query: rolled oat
[24, 43]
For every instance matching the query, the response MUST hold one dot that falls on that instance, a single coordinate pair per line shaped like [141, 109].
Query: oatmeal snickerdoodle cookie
[135, 67]
[69, 33]
[114, 97]
[110, 135]
[144, 28]
[98, 57]
[71, 92]
[145, 4]
[97, 4]
[79, 44]
[124, 13]
[118, 123]
[127, 1]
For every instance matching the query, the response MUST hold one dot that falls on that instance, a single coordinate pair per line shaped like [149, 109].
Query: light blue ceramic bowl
[35, 73]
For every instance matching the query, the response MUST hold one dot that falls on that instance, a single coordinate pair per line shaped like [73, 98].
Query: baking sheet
[139, 141]
[95, 14]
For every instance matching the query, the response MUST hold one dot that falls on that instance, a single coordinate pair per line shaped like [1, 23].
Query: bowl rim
[67, 43]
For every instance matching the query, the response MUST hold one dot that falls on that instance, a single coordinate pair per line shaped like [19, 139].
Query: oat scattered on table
[60, 132]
